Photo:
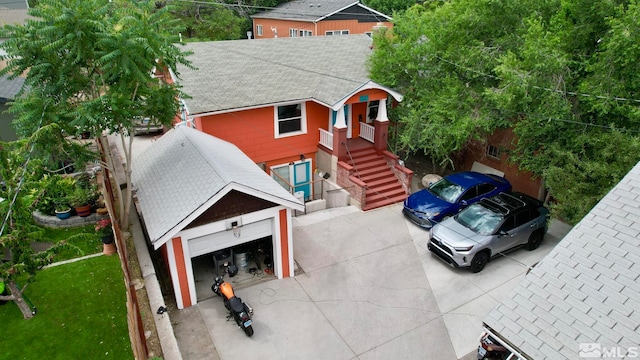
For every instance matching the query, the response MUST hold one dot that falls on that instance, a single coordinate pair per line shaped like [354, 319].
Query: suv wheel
[534, 240]
[479, 261]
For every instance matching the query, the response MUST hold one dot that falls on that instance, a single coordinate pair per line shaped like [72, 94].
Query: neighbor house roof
[13, 12]
[315, 10]
[186, 171]
[9, 88]
[240, 74]
[586, 291]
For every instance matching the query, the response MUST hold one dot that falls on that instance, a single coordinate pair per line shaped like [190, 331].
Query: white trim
[367, 86]
[389, 18]
[271, 214]
[204, 207]
[259, 30]
[303, 120]
[337, 11]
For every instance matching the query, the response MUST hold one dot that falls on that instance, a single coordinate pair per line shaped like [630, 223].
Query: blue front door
[302, 178]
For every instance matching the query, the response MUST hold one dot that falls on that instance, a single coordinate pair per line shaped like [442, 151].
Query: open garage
[199, 197]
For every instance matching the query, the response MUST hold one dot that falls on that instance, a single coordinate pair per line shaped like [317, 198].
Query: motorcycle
[240, 311]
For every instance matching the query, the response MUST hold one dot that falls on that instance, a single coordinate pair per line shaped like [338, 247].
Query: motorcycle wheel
[248, 330]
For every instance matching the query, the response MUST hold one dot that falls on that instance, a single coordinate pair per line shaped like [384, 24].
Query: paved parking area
[370, 290]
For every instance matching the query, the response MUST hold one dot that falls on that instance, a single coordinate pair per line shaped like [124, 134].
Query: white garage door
[225, 239]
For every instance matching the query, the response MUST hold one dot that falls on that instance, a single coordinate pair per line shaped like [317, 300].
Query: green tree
[389, 7]
[90, 67]
[562, 74]
[17, 228]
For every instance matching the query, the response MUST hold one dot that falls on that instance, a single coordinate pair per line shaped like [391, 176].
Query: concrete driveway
[370, 290]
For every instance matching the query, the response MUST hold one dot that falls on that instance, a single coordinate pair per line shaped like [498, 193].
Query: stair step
[388, 187]
[378, 204]
[374, 171]
[390, 194]
[371, 164]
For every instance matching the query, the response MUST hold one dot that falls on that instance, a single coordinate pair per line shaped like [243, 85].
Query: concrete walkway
[370, 290]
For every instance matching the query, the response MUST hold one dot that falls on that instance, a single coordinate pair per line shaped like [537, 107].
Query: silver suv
[488, 228]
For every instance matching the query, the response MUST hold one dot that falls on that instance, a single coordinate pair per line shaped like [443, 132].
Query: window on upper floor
[293, 32]
[290, 120]
[305, 33]
[337, 32]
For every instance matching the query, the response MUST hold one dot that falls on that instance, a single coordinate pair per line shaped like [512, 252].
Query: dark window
[508, 224]
[470, 194]
[485, 188]
[493, 151]
[289, 118]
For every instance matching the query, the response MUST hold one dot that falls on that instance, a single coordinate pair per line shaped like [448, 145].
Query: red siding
[253, 132]
[317, 29]
[284, 243]
[181, 269]
[522, 181]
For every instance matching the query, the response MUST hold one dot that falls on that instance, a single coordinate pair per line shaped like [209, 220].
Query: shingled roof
[234, 75]
[586, 291]
[186, 171]
[9, 88]
[314, 10]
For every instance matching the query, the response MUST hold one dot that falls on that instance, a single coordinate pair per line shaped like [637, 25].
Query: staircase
[383, 188]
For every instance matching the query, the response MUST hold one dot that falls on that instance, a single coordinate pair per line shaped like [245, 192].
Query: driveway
[370, 290]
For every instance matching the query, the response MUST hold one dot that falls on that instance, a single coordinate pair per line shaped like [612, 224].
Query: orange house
[299, 108]
[318, 18]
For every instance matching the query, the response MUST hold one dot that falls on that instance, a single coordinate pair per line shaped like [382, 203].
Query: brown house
[318, 18]
[491, 157]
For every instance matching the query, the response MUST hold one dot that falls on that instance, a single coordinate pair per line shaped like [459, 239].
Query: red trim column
[181, 270]
[380, 135]
[340, 142]
[287, 268]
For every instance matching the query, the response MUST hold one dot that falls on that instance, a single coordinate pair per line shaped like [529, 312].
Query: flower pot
[83, 211]
[64, 214]
[107, 239]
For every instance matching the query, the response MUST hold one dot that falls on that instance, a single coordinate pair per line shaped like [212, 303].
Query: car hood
[453, 233]
[425, 202]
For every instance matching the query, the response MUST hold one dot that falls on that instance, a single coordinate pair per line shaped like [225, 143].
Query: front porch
[373, 176]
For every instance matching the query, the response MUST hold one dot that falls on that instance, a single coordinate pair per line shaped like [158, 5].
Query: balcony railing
[367, 132]
[326, 139]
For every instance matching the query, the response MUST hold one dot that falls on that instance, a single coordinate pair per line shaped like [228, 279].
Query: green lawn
[85, 238]
[81, 314]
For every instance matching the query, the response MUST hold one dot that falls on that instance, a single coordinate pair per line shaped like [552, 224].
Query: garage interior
[254, 261]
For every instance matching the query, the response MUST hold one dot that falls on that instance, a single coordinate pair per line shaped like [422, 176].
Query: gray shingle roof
[587, 290]
[9, 88]
[245, 73]
[308, 10]
[184, 169]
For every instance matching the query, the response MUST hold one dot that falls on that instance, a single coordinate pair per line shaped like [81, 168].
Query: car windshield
[446, 190]
[479, 219]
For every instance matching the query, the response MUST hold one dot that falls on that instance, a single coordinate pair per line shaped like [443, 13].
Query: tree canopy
[563, 74]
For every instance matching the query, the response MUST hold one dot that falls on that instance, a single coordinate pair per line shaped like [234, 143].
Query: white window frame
[259, 30]
[303, 120]
[337, 32]
[494, 152]
[304, 33]
[293, 32]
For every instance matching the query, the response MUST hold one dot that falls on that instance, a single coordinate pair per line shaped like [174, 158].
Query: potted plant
[62, 208]
[82, 199]
[103, 228]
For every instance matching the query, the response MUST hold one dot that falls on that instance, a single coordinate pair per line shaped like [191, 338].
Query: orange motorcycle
[241, 312]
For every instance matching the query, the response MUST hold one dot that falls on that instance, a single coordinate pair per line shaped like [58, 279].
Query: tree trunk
[16, 296]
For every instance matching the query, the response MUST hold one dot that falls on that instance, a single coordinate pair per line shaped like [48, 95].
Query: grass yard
[81, 314]
[85, 238]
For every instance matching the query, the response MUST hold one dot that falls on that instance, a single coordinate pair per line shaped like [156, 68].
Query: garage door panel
[224, 239]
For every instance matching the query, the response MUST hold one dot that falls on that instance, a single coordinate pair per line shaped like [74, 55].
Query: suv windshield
[446, 190]
[479, 219]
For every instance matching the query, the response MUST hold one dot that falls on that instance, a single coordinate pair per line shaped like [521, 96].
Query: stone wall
[73, 221]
